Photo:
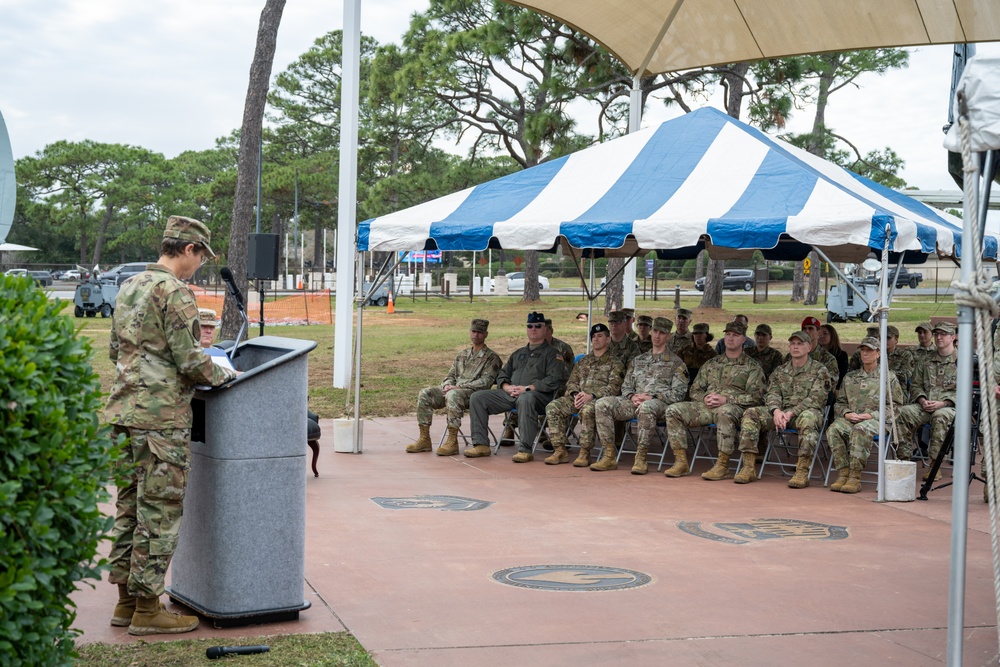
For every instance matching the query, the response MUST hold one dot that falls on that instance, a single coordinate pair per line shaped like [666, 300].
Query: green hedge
[55, 460]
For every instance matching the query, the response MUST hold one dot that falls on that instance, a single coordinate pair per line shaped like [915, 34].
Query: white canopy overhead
[654, 37]
[8, 189]
[15, 247]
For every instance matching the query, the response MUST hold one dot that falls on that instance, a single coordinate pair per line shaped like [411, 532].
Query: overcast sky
[172, 76]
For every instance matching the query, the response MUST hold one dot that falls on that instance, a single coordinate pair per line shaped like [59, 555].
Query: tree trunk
[812, 291]
[798, 283]
[318, 249]
[105, 223]
[250, 140]
[531, 276]
[699, 265]
[712, 296]
[614, 290]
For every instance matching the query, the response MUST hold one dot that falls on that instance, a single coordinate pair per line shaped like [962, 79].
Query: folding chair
[782, 454]
[661, 432]
[467, 439]
[570, 434]
[703, 452]
[864, 471]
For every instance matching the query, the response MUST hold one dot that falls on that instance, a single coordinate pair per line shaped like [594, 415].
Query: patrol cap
[482, 326]
[764, 329]
[629, 313]
[644, 319]
[207, 317]
[944, 327]
[600, 327]
[926, 326]
[736, 327]
[536, 318]
[872, 331]
[684, 312]
[702, 328]
[548, 322]
[189, 229]
[869, 342]
[663, 324]
[810, 322]
[802, 336]
[892, 332]
[616, 316]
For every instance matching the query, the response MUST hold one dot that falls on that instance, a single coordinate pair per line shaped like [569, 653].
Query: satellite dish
[8, 188]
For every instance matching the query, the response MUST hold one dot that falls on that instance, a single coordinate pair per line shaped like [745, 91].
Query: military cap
[872, 331]
[616, 316]
[548, 322]
[600, 327]
[736, 327]
[870, 342]
[663, 324]
[189, 229]
[629, 312]
[482, 326]
[684, 312]
[764, 329]
[926, 326]
[644, 319]
[536, 318]
[207, 317]
[702, 327]
[945, 327]
[802, 336]
[892, 332]
[810, 322]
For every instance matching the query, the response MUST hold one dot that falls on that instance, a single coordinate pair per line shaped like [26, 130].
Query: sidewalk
[868, 586]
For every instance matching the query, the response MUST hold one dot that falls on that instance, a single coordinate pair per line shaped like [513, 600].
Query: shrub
[55, 460]
[775, 273]
[670, 275]
[687, 273]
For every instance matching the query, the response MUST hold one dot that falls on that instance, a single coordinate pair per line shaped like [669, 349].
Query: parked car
[123, 272]
[42, 278]
[16, 272]
[638, 288]
[515, 282]
[732, 279]
[72, 274]
[903, 278]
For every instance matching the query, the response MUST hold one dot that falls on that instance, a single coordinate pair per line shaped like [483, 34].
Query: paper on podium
[219, 358]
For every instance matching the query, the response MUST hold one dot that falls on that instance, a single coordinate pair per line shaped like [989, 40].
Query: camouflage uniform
[769, 359]
[695, 357]
[155, 344]
[921, 354]
[823, 357]
[679, 341]
[626, 350]
[804, 392]
[935, 380]
[859, 393]
[470, 372]
[663, 376]
[740, 380]
[645, 345]
[901, 362]
[566, 352]
[600, 376]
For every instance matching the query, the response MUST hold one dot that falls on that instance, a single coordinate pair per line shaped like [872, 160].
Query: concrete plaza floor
[729, 575]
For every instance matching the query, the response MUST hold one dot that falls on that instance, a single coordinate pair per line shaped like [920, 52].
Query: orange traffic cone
[390, 309]
[299, 287]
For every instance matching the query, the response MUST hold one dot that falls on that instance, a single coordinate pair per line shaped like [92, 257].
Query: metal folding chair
[782, 454]
[702, 450]
[661, 432]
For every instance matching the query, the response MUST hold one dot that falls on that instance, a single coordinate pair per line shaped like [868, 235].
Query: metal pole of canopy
[883, 363]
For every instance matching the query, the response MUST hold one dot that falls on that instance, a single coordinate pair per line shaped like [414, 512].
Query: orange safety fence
[297, 308]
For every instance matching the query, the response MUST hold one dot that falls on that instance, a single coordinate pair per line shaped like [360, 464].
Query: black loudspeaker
[262, 257]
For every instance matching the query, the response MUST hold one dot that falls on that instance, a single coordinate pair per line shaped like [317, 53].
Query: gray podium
[241, 554]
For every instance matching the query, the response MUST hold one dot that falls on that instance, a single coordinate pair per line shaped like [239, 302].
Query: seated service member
[643, 323]
[796, 395]
[652, 382]
[900, 360]
[682, 337]
[207, 324]
[932, 395]
[474, 368]
[630, 324]
[925, 344]
[528, 381]
[597, 375]
[857, 413]
[762, 352]
[811, 326]
[726, 386]
[621, 345]
[564, 348]
[748, 344]
[699, 351]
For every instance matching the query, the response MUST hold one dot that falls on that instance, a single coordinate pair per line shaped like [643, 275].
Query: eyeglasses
[535, 326]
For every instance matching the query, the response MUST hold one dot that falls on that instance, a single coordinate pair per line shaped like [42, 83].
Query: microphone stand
[260, 293]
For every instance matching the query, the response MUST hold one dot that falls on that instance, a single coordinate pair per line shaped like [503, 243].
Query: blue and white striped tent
[703, 180]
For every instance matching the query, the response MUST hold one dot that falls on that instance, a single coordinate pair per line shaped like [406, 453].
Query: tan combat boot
[680, 467]
[842, 476]
[450, 445]
[928, 473]
[150, 618]
[853, 483]
[559, 455]
[507, 439]
[639, 467]
[747, 472]
[122, 616]
[583, 458]
[800, 479]
[423, 443]
[523, 456]
[607, 460]
[720, 470]
[477, 451]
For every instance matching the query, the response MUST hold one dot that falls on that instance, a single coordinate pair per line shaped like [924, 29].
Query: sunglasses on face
[535, 326]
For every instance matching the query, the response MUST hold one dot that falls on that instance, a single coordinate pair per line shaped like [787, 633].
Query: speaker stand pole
[260, 292]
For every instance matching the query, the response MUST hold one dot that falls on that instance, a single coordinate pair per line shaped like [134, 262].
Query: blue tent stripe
[364, 229]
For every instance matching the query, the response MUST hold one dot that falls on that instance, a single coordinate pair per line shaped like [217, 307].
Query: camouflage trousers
[611, 409]
[152, 479]
[759, 420]
[910, 417]
[851, 441]
[432, 398]
[692, 414]
[559, 413]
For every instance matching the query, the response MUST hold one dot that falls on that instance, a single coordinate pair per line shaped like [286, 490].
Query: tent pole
[840, 273]
[590, 304]
[883, 364]
[358, 444]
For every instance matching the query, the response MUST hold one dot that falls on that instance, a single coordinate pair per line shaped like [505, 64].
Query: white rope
[976, 295]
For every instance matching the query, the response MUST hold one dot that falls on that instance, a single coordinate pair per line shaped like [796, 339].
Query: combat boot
[842, 475]
[150, 618]
[559, 455]
[583, 458]
[607, 460]
[423, 443]
[800, 479]
[476, 451]
[747, 472]
[639, 466]
[680, 467]
[507, 439]
[853, 483]
[122, 616]
[523, 456]
[928, 474]
[720, 470]
[450, 445]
